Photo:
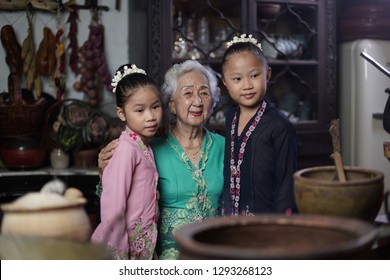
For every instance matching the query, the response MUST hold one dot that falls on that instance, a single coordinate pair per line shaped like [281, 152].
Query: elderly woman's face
[192, 101]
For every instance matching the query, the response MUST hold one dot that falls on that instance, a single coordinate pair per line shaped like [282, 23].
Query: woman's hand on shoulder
[106, 154]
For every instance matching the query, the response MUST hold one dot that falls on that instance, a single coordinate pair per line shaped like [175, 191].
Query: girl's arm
[103, 159]
[286, 165]
[105, 155]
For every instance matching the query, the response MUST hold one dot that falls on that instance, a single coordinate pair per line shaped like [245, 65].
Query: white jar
[59, 159]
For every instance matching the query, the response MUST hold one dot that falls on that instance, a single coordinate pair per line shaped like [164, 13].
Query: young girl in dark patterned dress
[261, 143]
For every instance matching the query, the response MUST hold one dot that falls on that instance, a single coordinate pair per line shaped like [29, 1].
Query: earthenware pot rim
[299, 175]
[366, 235]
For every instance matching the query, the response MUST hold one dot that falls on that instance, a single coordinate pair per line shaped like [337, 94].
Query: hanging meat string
[93, 66]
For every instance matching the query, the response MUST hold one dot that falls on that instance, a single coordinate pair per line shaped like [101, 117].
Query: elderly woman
[189, 157]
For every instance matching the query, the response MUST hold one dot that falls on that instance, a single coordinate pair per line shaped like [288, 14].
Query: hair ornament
[244, 39]
[126, 71]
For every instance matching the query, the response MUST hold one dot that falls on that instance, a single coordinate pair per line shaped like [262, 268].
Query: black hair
[131, 82]
[244, 47]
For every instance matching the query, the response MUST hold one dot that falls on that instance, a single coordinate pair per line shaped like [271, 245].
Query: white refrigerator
[362, 95]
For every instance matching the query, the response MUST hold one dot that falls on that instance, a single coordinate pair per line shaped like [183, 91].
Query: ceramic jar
[317, 191]
[59, 159]
[48, 215]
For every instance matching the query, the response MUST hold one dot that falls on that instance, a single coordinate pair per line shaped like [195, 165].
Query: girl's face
[142, 112]
[246, 78]
[192, 101]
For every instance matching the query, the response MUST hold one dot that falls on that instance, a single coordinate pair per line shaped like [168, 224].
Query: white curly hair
[169, 87]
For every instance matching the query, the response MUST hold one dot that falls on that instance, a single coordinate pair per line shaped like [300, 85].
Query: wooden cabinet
[297, 36]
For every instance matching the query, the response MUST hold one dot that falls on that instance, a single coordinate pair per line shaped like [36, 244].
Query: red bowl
[23, 158]
[18, 153]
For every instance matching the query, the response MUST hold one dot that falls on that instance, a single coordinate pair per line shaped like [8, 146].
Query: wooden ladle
[335, 132]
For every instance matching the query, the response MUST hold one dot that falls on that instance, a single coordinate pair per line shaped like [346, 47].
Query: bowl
[276, 236]
[22, 153]
[23, 158]
[318, 192]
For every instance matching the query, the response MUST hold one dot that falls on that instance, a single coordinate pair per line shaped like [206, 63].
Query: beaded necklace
[236, 168]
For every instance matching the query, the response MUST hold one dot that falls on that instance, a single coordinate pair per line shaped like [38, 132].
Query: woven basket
[18, 118]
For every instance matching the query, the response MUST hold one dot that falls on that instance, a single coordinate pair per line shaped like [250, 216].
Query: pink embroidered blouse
[129, 201]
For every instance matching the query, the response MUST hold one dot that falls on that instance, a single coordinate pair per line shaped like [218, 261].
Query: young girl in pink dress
[129, 200]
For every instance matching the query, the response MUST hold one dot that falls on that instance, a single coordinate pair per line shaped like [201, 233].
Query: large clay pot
[276, 236]
[317, 191]
[47, 215]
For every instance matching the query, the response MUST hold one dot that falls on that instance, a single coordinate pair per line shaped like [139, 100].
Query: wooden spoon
[335, 132]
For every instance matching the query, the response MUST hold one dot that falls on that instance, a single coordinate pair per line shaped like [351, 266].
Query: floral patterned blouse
[188, 193]
[129, 201]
